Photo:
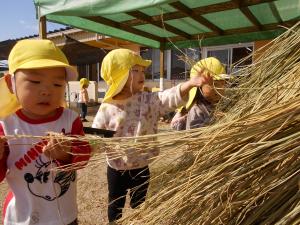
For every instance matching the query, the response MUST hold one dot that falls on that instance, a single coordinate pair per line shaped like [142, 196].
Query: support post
[42, 28]
[161, 70]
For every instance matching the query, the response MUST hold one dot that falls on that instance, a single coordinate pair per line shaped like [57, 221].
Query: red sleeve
[81, 149]
[3, 165]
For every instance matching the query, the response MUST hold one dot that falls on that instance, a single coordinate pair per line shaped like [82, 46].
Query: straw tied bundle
[243, 169]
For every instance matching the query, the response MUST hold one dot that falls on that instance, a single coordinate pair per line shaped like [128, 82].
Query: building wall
[74, 89]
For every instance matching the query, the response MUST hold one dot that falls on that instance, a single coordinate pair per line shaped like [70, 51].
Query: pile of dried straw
[243, 169]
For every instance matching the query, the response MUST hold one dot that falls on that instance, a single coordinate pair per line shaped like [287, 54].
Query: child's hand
[2, 142]
[58, 149]
[202, 78]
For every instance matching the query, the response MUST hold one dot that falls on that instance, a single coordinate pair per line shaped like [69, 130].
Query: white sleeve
[170, 99]
[99, 120]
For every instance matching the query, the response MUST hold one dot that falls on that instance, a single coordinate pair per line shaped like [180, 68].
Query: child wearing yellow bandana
[203, 100]
[129, 111]
[35, 87]
[83, 98]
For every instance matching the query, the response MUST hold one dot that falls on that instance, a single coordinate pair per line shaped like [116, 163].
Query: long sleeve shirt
[39, 194]
[200, 114]
[179, 121]
[83, 96]
[136, 116]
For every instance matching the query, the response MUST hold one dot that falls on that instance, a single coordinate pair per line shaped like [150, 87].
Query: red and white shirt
[39, 194]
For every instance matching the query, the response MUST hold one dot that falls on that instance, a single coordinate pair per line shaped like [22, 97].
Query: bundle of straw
[244, 169]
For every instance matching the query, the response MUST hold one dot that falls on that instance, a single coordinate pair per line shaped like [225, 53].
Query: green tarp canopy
[167, 23]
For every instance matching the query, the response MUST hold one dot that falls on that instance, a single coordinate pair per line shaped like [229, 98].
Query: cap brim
[143, 62]
[222, 77]
[192, 95]
[47, 63]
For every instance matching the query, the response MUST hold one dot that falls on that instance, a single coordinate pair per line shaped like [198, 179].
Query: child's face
[136, 79]
[40, 91]
[212, 93]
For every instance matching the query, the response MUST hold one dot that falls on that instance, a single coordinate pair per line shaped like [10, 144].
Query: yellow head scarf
[115, 70]
[214, 67]
[84, 82]
[31, 54]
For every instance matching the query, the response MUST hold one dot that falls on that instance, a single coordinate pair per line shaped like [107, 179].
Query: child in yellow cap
[131, 112]
[39, 72]
[203, 100]
[83, 98]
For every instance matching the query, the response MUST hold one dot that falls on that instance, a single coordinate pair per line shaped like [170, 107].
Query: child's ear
[9, 79]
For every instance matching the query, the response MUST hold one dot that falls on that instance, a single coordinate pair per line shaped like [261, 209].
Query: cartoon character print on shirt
[37, 182]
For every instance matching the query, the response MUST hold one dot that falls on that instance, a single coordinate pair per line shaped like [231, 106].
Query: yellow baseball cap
[84, 82]
[38, 54]
[115, 70]
[31, 54]
[214, 67]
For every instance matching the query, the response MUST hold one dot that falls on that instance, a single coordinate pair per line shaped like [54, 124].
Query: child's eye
[57, 85]
[34, 81]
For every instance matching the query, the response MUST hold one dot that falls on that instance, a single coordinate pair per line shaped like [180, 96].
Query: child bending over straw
[131, 112]
[202, 100]
[35, 91]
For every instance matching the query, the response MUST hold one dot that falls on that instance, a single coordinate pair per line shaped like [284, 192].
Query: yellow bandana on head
[31, 54]
[84, 82]
[38, 54]
[9, 103]
[115, 70]
[214, 67]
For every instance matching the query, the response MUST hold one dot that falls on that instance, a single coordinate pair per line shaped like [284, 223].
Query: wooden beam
[200, 19]
[218, 7]
[143, 17]
[249, 15]
[244, 30]
[42, 28]
[102, 20]
[275, 12]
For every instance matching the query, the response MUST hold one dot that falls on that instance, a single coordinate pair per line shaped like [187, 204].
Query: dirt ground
[91, 188]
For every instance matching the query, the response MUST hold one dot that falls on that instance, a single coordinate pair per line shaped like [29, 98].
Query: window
[237, 55]
[146, 53]
[229, 55]
[182, 61]
[152, 71]
[88, 71]
[222, 55]
[177, 65]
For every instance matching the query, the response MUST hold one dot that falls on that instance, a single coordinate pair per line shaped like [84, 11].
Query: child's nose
[45, 90]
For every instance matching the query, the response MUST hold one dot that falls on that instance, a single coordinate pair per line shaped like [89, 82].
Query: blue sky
[17, 19]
